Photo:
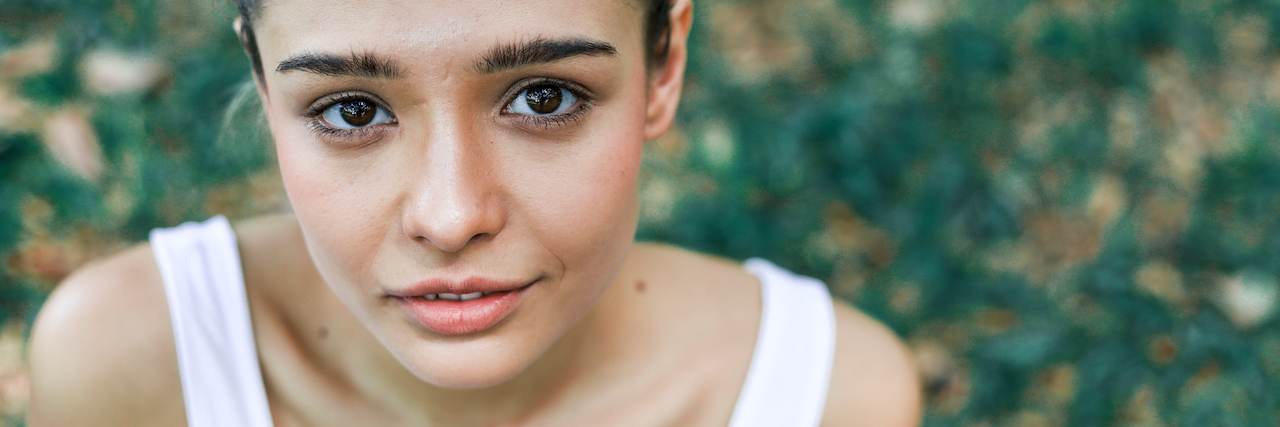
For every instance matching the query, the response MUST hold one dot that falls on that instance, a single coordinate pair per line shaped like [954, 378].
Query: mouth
[466, 310]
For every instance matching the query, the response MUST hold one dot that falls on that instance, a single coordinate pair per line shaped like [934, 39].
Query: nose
[454, 198]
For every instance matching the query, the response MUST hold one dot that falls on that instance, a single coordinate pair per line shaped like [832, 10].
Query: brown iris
[358, 112]
[544, 99]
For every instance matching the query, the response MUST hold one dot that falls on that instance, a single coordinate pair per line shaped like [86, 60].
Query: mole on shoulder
[640, 286]
[323, 332]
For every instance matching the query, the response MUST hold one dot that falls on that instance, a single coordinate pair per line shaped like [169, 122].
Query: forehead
[435, 31]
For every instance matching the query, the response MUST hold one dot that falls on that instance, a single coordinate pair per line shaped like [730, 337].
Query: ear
[666, 82]
[251, 50]
[237, 25]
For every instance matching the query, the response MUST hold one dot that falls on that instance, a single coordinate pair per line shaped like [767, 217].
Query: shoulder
[102, 348]
[873, 378]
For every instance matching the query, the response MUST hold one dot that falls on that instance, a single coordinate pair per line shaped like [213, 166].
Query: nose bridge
[453, 200]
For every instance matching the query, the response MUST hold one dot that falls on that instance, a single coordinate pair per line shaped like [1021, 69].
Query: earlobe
[667, 82]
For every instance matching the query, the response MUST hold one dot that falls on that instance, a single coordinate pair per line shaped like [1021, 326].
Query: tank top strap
[790, 370]
[217, 357]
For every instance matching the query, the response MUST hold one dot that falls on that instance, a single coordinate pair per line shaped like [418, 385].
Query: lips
[460, 308]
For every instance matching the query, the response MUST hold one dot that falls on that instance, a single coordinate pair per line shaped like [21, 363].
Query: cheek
[588, 216]
[340, 223]
[585, 213]
[597, 196]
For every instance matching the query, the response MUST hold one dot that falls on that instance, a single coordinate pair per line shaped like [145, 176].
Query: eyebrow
[539, 51]
[363, 64]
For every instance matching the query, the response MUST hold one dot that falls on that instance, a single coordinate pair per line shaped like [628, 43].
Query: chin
[468, 365]
[463, 380]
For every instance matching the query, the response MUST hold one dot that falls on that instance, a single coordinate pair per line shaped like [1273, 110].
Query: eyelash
[316, 125]
[574, 115]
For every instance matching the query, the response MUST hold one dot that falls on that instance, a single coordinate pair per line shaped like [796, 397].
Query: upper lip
[470, 285]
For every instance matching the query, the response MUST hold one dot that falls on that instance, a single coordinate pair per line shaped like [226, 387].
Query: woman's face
[434, 149]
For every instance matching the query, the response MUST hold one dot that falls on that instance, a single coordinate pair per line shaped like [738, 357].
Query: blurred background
[1068, 208]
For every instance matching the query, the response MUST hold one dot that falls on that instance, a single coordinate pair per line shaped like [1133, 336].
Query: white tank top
[786, 384]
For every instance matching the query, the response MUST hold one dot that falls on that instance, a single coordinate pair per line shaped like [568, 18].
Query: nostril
[450, 236]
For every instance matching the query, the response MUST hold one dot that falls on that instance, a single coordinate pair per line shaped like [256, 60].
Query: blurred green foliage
[1068, 208]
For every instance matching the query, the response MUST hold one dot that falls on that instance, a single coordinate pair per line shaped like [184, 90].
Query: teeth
[455, 297]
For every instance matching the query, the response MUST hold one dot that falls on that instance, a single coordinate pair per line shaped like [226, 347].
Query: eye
[354, 113]
[542, 100]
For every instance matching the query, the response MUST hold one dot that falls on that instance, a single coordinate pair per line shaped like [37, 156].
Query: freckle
[640, 286]
[323, 332]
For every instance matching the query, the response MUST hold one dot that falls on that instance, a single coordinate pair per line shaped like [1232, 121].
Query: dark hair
[657, 31]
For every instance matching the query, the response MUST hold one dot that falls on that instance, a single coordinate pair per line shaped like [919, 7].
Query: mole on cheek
[323, 332]
[640, 286]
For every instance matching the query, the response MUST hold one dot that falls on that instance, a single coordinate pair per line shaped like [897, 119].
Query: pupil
[543, 99]
[357, 113]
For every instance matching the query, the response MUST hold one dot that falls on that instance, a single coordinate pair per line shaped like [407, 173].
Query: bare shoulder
[102, 348]
[873, 380]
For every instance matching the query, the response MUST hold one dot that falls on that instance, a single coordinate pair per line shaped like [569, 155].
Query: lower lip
[447, 317]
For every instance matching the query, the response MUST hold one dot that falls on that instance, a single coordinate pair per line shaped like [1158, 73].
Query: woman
[461, 251]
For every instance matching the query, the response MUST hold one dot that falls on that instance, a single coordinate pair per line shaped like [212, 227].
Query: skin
[457, 186]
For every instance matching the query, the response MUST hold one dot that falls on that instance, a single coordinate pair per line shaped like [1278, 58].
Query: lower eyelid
[574, 115]
[355, 136]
